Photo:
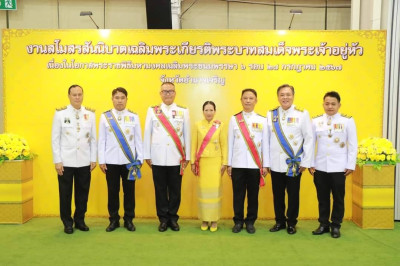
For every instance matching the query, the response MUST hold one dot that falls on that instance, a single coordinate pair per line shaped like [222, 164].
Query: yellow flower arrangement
[13, 147]
[376, 151]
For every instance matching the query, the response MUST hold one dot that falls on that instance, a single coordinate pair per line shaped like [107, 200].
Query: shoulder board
[155, 106]
[132, 112]
[237, 113]
[317, 116]
[347, 116]
[274, 108]
[261, 115]
[90, 109]
[184, 107]
[107, 111]
[299, 109]
[61, 108]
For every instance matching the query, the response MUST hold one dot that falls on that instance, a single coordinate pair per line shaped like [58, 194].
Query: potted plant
[16, 179]
[373, 184]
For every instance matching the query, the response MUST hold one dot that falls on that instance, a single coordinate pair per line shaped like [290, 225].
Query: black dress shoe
[82, 226]
[237, 228]
[277, 227]
[129, 226]
[174, 226]
[250, 228]
[162, 227]
[321, 230]
[68, 229]
[291, 230]
[113, 225]
[335, 232]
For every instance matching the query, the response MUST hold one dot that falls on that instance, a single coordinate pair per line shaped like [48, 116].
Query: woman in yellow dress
[209, 160]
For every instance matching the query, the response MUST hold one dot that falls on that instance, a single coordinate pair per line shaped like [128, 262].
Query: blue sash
[293, 161]
[134, 165]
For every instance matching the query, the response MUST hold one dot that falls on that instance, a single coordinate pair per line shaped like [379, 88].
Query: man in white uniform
[248, 159]
[336, 140]
[167, 152]
[74, 155]
[291, 149]
[120, 157]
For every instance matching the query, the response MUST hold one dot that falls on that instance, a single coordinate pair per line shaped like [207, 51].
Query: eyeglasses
[165, 92]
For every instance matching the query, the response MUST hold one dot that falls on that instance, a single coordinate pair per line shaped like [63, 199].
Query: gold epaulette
[61, 108]
[317, 116]
[132, 112]
[90, 109]
[155, 105]
[299, 109]
[347, 116]
[107, 111]
[237, 113]
[184, 107]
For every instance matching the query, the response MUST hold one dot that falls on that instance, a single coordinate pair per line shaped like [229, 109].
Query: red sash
[250, 144]
[171, 130]
[203, 145]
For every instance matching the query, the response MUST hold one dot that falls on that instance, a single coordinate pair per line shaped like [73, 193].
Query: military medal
[283, 117]
[336, 140]
[329, 122]
[342, 145]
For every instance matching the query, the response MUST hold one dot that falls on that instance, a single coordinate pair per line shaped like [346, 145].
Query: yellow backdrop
[39, 66]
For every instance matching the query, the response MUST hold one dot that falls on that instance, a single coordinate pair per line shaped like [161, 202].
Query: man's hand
[301, 170]
[149, 162]
[347, 172]
[311, 170]
[265, 171]
[229, 171]
[59, 168]
[103, 167]
[92, 166]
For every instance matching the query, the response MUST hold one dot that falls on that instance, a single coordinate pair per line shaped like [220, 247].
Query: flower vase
[16, 192]
[373, 197]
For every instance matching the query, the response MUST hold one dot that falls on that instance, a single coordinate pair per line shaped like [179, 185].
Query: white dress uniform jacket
[239, 155]
[336, 141]
[109, 150]
[73, 137]
[296, 126]
[158, 144]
